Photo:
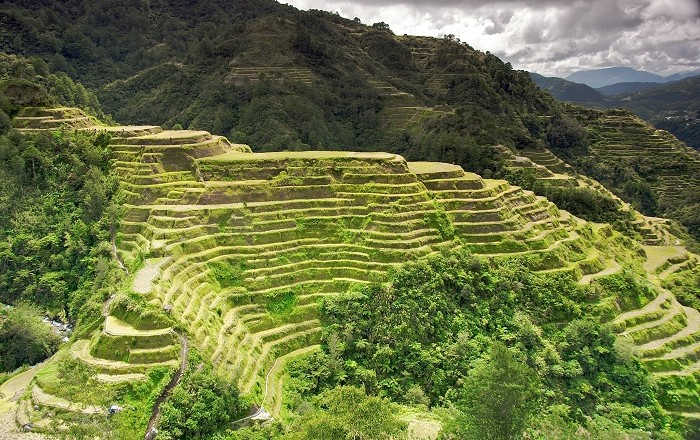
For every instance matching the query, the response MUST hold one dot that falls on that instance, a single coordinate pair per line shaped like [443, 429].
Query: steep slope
[240, 247]
[666, 333]
[327, 82]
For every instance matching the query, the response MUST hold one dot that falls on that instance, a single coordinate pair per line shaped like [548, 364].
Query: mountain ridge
[598, 78]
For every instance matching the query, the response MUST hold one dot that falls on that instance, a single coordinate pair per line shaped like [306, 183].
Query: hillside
[644, 165]
[244, 250]
[326, 81]
[568, 91]
[423, 98]
[626, 87]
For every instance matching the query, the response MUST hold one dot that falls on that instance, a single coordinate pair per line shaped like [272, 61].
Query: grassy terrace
[665, 333]
[272, 234]
[671, 166]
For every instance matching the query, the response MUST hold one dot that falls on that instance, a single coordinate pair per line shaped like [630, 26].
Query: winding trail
[113, 234]
[275, 370]
[155, 413]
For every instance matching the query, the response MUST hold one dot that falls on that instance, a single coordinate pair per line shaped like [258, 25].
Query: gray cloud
[549, 36]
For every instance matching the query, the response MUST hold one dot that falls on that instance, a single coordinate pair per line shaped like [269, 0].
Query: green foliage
[281, 304]
[551, 324]
[201, 404]
[24, 338]
[440, 220]
[54, 219]
[630, 292]
[133, 308]
[686, 287]
[349, 413]
[27, 82]
[227, 273]
[497, 400]
[584, 202]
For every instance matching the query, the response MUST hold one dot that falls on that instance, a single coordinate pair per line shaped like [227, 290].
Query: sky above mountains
[548, 36]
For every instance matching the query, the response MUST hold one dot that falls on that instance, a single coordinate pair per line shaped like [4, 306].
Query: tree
[200, 405]
[348, 413]
[498, 398]
[25, 338]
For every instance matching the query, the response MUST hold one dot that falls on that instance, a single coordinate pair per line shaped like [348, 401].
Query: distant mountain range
[598, 78]
[672, 105]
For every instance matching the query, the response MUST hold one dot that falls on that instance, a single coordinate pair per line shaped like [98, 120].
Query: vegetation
[201, 404]
[55, 220]
[467, 310]
[259, 259]
[25, 339]
[347, 412]
[497, 400]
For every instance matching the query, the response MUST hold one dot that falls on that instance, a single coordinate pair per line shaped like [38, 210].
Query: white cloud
[547, 36]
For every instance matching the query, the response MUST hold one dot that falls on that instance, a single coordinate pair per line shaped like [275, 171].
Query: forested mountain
[251, 70]
[314, 223]
[597, 78]
[626, 87]
[568, 91]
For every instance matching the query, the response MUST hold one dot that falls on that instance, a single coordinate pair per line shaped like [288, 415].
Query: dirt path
[11, 390]
[693, 318]
[155, 414]
[113, 234]
[655, 304]
[9, 430]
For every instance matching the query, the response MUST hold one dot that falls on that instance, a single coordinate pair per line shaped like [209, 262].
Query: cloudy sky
[548, 36]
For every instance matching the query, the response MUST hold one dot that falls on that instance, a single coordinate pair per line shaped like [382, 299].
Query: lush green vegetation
[336, 102]
[55, 219]
[468, 309]
[25, 339]
[201, 405]
[348, 412]
[280, 79]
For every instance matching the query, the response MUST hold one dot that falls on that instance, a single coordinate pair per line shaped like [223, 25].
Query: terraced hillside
[672, 169]
[251, 242]
[546, 168]
[262, 237]
[240, 248]
[666, 334]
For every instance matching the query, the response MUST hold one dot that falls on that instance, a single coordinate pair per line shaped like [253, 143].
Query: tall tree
[498, 398]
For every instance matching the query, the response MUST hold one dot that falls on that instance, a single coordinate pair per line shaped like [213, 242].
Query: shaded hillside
[672, 106]
[626, 87]
[279, 78]
[568, 91]
[679, 96]
[612, 75]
